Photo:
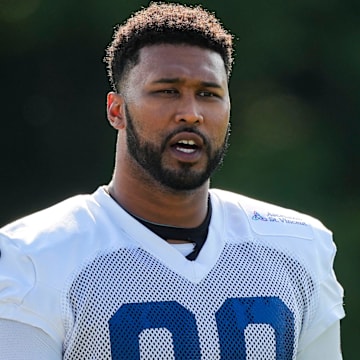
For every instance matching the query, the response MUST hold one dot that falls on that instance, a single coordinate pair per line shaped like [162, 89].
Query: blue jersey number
[232, 318]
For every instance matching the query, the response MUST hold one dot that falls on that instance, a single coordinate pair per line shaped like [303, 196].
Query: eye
[167, 91]
[207, 94]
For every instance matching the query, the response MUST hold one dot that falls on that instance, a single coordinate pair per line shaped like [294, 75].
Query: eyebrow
[178, 80]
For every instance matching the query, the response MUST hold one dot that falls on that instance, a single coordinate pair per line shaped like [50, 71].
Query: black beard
[149, 157]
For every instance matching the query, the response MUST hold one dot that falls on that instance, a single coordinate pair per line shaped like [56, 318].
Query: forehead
[180, 61]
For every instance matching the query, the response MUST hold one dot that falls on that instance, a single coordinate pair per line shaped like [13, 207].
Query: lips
[187, 144]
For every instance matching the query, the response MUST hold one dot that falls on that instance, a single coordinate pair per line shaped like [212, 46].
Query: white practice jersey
[105, 287]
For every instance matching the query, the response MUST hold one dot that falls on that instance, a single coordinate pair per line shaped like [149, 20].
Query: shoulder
[75, 217]
[266, 219]
[302, 238]
[62, 217]
[40, 252]
[47, 245]
[57, 239]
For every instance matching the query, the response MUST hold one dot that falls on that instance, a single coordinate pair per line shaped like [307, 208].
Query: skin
[186, 88]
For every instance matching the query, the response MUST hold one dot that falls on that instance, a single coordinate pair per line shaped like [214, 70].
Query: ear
[115, 110]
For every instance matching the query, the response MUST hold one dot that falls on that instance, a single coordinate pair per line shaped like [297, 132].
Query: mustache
[185, 129]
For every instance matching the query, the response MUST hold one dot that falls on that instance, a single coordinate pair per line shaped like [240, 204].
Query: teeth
[188, 151]
[186, 146]
[187, 142]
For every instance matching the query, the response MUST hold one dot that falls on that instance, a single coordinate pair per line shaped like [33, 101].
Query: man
[156, 265]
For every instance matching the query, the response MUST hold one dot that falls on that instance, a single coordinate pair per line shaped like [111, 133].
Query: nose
[189, 111]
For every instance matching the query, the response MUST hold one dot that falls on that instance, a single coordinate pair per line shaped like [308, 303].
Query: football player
[156, 265]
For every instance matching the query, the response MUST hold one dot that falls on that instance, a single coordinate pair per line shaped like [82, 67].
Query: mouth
[187, 146]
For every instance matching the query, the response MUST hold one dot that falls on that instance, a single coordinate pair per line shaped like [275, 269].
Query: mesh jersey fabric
[105, 287]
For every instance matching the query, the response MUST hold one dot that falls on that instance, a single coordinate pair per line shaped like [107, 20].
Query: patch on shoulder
[277, 221]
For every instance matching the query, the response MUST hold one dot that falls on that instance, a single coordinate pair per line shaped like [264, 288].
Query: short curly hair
[167, 23]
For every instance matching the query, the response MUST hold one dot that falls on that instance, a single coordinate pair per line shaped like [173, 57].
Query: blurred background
[295, 116]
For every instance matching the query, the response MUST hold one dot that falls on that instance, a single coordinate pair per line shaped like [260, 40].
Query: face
[176, 110]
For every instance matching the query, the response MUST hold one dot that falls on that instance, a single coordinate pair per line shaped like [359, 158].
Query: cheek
[147, 130]
[220, 129]
[223, 135]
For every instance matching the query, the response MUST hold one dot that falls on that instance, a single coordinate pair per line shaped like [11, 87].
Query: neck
[156, 204]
